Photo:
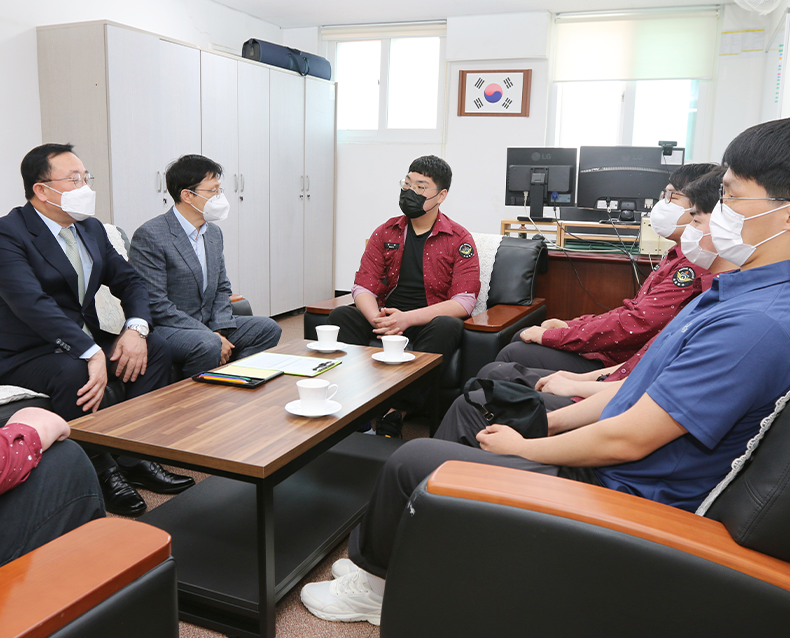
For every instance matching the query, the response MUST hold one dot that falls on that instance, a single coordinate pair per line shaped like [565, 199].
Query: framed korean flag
[494, 93]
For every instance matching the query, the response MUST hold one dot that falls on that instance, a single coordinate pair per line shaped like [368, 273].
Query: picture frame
[494, 93]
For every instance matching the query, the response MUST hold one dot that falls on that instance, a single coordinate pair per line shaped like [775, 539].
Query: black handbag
[287, 58]
[510, 403]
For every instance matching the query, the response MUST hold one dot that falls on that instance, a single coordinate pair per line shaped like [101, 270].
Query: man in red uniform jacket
[591, 342]
[419, 277]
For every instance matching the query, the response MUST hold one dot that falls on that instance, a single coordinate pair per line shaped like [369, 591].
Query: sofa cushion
[515, 270]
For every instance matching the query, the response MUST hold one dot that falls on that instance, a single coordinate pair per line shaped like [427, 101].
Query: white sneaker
[346, 599]
[342, 567]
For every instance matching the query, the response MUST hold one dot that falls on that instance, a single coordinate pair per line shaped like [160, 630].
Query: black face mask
[412, 204]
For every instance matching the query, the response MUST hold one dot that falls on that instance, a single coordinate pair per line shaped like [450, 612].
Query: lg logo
[626, 157]
[539, 156]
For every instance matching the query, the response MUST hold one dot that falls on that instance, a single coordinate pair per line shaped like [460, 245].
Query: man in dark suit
[53, 258]
[180, 257]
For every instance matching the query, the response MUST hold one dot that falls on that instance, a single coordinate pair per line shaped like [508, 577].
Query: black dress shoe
[120, 497]
[154, 477]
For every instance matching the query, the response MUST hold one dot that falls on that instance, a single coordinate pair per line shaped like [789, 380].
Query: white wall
[738, 83]
[475, 147]
[200, 22]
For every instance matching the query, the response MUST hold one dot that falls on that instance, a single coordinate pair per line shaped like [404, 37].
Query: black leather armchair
[495, 551]
[511, 279]
[110, 577]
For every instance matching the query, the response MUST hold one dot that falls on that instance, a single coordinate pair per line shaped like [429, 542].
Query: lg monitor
[625, 179]
[542, 177]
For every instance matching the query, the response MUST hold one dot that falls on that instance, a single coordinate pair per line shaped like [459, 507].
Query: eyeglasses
[417, 188]
[669, 194]
[724, 197]
[76, 179]
[214, 192]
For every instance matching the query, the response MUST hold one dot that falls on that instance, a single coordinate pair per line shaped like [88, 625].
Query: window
[633, 80]
[391, 81]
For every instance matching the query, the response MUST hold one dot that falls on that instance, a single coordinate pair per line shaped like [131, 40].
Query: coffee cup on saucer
[327, 339]
[315, 394]
[394, 345]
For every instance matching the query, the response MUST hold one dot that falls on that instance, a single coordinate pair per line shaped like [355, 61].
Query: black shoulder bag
[510, 403]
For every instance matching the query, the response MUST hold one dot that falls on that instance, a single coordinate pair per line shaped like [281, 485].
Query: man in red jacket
[419, 277]
[47, 485]
[592, 342]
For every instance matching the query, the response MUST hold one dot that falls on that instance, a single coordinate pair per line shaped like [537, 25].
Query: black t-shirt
[409, 294]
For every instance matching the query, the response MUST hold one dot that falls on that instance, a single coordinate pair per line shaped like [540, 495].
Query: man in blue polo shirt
[671, 431]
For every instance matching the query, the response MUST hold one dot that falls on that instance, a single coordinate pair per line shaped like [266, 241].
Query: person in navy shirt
[671, 431]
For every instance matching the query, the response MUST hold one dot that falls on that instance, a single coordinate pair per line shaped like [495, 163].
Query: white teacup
[314, 393]
[394, 345]
[327, 335]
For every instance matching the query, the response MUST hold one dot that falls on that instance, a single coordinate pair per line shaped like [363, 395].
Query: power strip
[650, 243]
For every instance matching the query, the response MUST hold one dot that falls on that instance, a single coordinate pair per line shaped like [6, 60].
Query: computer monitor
[625, 179]
[546, 176]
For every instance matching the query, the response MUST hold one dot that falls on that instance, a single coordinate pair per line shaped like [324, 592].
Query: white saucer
[380, 356]
[295, 407]
[326, 347]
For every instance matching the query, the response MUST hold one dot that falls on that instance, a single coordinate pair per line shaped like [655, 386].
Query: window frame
[384, 134]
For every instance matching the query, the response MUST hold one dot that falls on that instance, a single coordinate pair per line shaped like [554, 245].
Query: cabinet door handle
[241, 178]
[158, 182]
[235, 183]
[307, 177]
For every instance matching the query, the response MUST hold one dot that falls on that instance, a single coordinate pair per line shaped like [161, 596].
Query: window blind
[655, 46]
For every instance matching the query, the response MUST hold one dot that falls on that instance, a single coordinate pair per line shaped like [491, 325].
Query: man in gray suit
[180, 256]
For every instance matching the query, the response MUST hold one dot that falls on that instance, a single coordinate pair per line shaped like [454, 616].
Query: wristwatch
[140, 329]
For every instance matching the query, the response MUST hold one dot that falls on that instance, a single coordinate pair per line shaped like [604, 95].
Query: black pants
[533, 355]
[442, 335]
[60, 494]
[60, 376]
[371, 543]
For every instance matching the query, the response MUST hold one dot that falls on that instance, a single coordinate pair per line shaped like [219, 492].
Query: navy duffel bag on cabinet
[287, 58]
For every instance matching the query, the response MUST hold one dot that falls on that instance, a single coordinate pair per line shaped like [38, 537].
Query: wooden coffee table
[285, 489]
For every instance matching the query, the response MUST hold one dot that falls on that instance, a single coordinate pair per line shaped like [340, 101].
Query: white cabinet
[302, 156]
[133, 107]
[319, 210]
[235, 124]
[287, 191]
[254, 239]
[179, 109]
[220, 126]
[140, 101]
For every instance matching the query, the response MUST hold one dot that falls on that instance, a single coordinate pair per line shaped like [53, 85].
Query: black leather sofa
[110, 577]
[496, 551]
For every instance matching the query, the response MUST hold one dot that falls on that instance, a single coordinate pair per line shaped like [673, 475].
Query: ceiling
[311, 13]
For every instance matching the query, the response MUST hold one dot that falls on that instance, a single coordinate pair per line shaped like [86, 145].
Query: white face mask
[78, 204]
[664, 217]
[216, 208]
[689, 244]
[725, 231]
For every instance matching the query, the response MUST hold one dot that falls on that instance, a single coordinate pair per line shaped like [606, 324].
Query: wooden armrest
[639, 517]
[501, 316]
[235, 298]
[325, 307]
[48, 588]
